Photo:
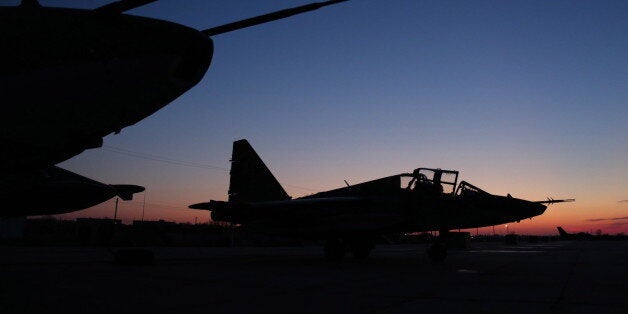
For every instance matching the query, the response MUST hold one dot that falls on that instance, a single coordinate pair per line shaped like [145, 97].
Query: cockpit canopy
[439, 181]
[443, 181]
[467, 189]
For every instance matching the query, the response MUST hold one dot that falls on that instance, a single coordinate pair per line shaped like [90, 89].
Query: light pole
[144, 205]
[115, 213]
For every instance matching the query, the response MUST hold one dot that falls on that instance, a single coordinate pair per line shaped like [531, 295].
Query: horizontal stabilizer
[203, 206]
[126, 191]
[211, 205]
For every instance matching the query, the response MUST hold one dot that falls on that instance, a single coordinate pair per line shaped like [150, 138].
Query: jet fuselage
[356, 210]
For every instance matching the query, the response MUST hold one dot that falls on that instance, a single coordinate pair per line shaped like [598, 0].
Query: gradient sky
[522, 97]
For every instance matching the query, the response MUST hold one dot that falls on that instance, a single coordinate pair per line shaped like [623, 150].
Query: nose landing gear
[336, 248]
[437, 252]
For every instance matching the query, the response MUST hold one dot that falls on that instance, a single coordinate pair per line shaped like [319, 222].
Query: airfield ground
[552, 277]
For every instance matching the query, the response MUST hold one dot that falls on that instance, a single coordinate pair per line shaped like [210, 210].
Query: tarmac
[551, 277]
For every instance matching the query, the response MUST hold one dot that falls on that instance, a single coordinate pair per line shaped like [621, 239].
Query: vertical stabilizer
[562, 232]
[251, 181]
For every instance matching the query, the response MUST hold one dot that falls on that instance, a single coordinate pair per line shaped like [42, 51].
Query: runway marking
[468, 271]
[506, 251]
[572, 271]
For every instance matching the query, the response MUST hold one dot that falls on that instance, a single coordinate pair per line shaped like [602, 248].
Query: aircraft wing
[287, 204]
[315, 218]
[315, 215]
[54, 190]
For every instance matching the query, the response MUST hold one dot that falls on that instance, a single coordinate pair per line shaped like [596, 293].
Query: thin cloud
[608, 219]
[623, 201]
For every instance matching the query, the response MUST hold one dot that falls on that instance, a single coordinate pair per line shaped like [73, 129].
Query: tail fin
[562, 232]
[251, 181]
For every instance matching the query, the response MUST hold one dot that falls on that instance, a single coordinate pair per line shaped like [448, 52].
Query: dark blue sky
[523, 97]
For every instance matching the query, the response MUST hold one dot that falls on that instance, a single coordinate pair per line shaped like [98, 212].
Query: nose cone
[519, 209]
[538, 209]
[529, 209]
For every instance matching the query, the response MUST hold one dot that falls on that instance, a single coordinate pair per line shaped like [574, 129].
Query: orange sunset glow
[520, 99]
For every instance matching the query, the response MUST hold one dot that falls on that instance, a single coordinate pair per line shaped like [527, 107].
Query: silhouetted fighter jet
[350, 218]
[574, 236]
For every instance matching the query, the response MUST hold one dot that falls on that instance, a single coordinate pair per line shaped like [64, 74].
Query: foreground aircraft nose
[538, 209]
[195, 53]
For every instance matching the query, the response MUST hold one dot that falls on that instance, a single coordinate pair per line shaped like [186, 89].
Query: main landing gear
[437, 252]
[335, 248]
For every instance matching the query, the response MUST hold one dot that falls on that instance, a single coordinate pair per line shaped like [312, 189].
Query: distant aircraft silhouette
[574, 236]
[69, 77]
[350, 218]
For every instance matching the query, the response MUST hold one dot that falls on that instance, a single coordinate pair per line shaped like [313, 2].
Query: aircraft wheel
[361, 249]
[135, 257]
[334, 249]
[361, 253]
[437, 252]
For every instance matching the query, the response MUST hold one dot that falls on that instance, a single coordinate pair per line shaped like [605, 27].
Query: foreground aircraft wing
[55, 190]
